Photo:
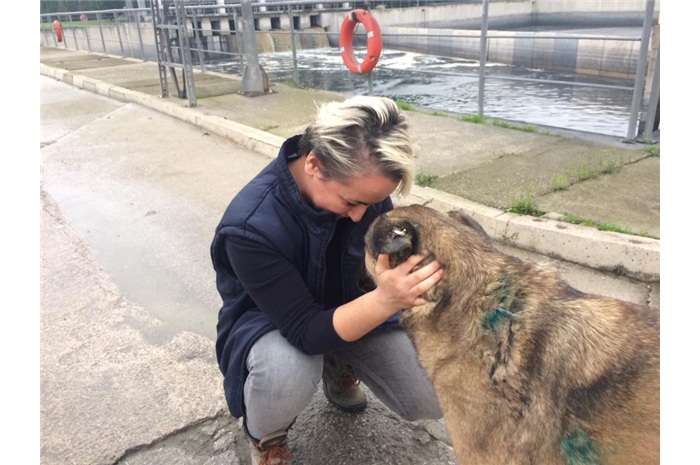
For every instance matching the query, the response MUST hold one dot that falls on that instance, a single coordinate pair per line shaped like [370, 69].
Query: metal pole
[138, 30]
[294, 45]
[371, 83]
[200, 54]
[239, 44]
[65, 34]
[252, 77]
[44, 40]
[102, 37]
[75, 37]
[160, 52]
[185, 53]
[641, 67]
[119, 34]
[128, 34]
[653, 100]
[482, 54]
[87, 35]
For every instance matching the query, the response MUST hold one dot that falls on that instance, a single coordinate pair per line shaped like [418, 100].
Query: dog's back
[527, 369]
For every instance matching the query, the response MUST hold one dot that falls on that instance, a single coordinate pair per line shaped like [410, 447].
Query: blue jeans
[282, 379]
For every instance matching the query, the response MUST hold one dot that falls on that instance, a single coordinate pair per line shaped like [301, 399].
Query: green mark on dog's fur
[501, 297]
[490, 321]
[579, 449]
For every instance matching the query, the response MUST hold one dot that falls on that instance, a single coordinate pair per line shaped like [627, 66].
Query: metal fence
[129, 33]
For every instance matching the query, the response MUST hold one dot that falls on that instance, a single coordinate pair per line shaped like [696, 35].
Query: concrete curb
[633, 256]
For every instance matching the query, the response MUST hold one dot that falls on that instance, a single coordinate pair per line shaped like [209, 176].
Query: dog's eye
[399, 232]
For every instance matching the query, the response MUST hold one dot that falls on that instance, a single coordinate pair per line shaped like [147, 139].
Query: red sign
[83, 17]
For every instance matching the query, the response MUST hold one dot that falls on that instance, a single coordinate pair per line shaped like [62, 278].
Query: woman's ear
[312, 166]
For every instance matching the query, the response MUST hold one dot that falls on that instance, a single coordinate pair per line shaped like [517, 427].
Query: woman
[287, 254]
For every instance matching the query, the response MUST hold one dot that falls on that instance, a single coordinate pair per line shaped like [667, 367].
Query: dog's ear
[396, 238]
[467, 221]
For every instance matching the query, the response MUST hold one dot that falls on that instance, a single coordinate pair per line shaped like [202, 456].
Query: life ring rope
[374, 41]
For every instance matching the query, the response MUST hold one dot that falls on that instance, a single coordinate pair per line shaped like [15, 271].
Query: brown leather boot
[340, 386]
[271, 450]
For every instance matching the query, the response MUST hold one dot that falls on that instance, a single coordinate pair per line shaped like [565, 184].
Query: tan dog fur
[527, 370]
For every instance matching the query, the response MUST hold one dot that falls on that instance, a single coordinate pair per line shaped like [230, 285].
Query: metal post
[87, 35]
[185, 53]
[200, 54]
[64, 32]
[158, 37]
[482, 54]
[128, 34]
[252, 77]
[371, 83]
[75, 37]
[653, 99]
[44, 40]
[138, 30]
[239, 44]
[102, 37]
[641, 67]
[294, 45]
[119, 34]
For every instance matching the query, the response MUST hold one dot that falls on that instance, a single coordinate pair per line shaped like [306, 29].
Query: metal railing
[130, 39]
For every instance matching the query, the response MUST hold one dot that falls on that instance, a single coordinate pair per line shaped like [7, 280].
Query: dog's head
[416, 229]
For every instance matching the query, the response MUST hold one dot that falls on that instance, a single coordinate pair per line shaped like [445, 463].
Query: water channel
[398, 75]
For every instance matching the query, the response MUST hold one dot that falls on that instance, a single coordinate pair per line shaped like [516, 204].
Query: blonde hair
[359, 136]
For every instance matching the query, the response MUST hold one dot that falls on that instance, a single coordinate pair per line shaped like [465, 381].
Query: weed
[572, 219]
[507, 125]
[405, 105]
[559, 183]
[479, 119]
[609, 167]
[439, 113]
[425, 180]
[653, 150]
[525, 205]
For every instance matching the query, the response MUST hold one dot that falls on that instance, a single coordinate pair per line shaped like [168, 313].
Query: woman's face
[347, 199]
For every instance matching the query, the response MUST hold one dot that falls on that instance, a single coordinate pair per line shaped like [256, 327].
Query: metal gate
[170, 27]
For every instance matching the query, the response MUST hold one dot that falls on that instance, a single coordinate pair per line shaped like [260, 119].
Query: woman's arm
[279, 291]
[396, 289]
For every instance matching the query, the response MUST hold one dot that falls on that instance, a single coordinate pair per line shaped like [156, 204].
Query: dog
[527, 370]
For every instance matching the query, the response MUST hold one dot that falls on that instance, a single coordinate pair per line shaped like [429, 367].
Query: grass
[74, 24]
[440, 113]
[425, 180]
[405, 105]
[585, 170]
[572, 219]
[559, 183]
[507, 125]
[525, 205]
[472, 119]
[653, 150]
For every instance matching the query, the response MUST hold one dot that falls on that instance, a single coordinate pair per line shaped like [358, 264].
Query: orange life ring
[57, 30]
[374, 41]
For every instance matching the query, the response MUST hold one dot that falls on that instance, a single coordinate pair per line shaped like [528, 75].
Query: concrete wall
[505, 14]
[611, 58]
[214, 47]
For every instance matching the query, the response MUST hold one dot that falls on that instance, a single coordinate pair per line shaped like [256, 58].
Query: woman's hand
[399, 288]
